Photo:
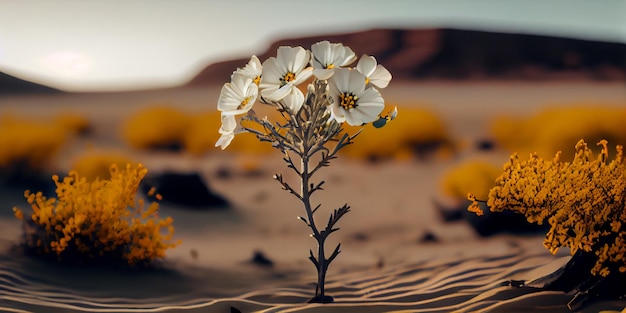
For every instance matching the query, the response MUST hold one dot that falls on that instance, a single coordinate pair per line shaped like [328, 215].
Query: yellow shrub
[583, 201]
[94, 165]
[550, 131]
[415, 130]
[72, 122]
[98, 220]
[27, 144]
[203, 133]
[156, 127]
[476, 177]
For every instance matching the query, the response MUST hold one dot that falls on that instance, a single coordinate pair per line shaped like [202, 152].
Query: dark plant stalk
[306, 134]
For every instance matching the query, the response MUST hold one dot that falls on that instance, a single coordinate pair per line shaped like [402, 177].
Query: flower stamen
[288, 77]
[244, 103]
[348, 100]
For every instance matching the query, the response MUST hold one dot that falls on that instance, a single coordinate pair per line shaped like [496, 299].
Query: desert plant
[419, 132]
[158, 127]
[73, 122]
[200, 137]
[99, 220]
[550, 130]
[93, 164]
[309, 133]
[28, 145]
[476, 177]
[584, 203]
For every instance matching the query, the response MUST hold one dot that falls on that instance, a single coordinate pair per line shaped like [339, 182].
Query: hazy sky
[117, 45]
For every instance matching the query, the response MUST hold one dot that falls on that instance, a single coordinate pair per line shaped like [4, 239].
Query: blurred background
[117, 45]
[87, 84]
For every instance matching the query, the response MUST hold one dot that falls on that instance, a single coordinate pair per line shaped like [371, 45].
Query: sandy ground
[382, 266]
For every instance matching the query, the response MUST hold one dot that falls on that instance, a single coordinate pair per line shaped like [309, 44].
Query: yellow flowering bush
[201, 136]
[92, 165]
[584, 202]
[28, 145]
[552, 129]
[476, 177]
[97, 220]
[156, 127]
[73, 122]
[418, 131]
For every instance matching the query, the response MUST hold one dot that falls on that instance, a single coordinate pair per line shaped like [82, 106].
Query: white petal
[366, 65]
[381, 77]
[301, 60]
[348, 57]
[356, 82]
[229, 123]
[339, 82]
[293, 100]
[233, 94]
[275, 93]
[323, 74]
[225, 140]
[337, 114]
[272, 73]
[303, 75]
[251, 70]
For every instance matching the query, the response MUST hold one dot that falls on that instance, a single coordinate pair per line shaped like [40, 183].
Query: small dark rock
[428, 237]
[485, 145]
[361, 237]
[186, 189]
[224, 173]
[259, 258]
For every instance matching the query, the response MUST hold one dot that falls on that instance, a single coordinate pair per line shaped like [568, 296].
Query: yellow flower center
[367, 80]
[348, 100]
[244, 103]
[257, 80]
[287, 78]
[329, 66]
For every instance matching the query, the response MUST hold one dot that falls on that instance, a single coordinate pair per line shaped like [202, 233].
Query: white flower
[238, 96]
[284, 72]
[327, 56]
[227, 130]
[293, 101]
[376, 74]
[252, 70]
[353, 101]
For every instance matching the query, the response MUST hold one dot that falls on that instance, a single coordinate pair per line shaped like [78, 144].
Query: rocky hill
[452, 54]
[13, 85]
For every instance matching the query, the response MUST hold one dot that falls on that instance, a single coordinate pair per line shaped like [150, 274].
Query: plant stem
[306, 201]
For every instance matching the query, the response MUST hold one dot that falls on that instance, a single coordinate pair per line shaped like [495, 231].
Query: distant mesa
[12, 85]
[453, 54]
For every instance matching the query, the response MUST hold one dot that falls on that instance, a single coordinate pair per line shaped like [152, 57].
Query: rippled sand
[382, 268]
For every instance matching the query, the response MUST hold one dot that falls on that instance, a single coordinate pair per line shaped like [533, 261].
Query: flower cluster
[353, 97]
[583, 201]
[97, 220]
[309, 123]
